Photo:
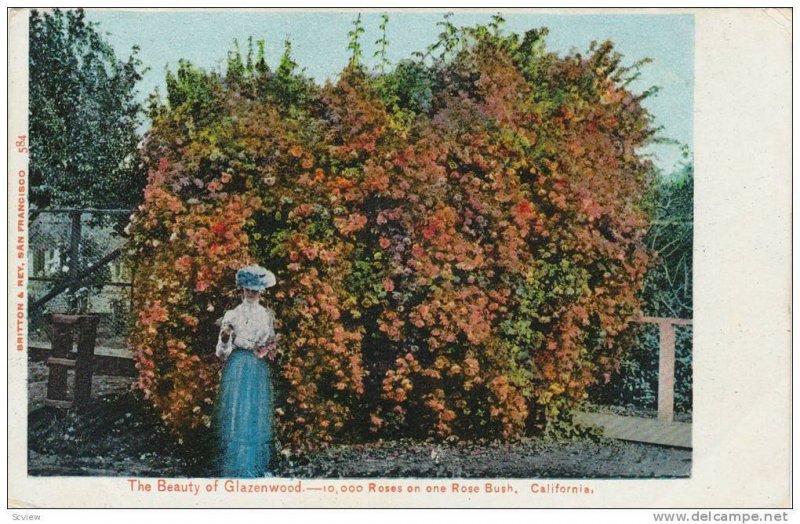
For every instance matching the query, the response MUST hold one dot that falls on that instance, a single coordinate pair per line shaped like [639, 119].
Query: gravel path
[118, 437]
[583, 458]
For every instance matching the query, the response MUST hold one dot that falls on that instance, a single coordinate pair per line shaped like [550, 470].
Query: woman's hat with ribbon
[254, 277]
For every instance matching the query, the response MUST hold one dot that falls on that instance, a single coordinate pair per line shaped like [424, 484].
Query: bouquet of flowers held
[269, 349]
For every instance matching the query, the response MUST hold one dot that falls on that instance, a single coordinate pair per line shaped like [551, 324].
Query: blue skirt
[244, 416]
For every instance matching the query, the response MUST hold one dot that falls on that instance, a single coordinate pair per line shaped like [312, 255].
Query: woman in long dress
[244, 408]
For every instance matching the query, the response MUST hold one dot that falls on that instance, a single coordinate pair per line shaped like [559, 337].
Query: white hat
[255, 277]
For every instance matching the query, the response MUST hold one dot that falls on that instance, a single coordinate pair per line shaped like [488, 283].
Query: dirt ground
[117, 436]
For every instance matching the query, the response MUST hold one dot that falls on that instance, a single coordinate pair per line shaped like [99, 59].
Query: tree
[83, 116]
[668, 286]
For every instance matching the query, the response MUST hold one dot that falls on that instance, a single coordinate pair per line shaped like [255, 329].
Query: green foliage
[354, 44]
[409, 87]
[668, 287]
[83, 116]
[383, 44]
[194, 92]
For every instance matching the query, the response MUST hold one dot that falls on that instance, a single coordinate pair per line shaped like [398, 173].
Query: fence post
[59, 362]
[84, 363]
[666, 370]
[74, 250]
[666, 363]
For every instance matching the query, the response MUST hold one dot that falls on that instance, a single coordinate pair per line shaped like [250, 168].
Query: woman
[244, 408]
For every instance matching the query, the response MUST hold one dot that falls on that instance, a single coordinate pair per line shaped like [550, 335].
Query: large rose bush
[457, 242]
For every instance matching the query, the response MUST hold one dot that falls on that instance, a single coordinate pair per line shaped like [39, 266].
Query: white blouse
[253, 325]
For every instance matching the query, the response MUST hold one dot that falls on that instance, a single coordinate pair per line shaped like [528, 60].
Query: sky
[319, 45]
